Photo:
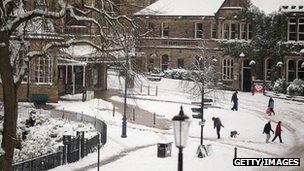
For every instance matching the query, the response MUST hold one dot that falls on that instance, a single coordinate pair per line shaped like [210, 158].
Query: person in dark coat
[234, 99]
[217, 124]
[267, 129]
[278, 132]
[271, 106]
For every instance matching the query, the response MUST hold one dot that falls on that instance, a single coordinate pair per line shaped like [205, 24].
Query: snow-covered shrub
[296, 88]
[269, 86]
[280, 86]
[175, 73]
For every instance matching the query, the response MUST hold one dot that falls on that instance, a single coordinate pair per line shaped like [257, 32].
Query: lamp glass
[181, 129]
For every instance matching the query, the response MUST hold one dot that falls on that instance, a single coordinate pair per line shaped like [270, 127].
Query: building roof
[269, 6]
[208, 7]
[182, 8]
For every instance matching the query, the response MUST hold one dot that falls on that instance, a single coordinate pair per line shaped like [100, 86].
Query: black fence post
[148, 89]
[113, 110]
[141, 88]
[82, 144]
[156, 91]
[235, 152]
[66, 142]
[133, 114]
[154, 118]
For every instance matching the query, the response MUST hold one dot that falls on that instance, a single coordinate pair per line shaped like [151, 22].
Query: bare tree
[15, 52]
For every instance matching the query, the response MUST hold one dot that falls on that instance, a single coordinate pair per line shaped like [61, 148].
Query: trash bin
[164, 149]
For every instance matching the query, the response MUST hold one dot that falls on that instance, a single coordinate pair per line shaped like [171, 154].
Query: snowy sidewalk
[134, 113]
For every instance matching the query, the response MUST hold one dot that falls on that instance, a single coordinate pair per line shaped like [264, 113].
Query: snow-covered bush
[269, 86]
[296, 88]
[280, 86]
[46, 135]
[175, 73]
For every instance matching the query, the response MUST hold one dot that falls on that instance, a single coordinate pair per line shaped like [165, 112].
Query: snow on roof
[269, 6]
[209, 7]
[182, 8]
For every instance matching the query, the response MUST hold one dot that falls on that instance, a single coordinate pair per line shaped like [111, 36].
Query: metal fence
[44, 162]
[74, 148]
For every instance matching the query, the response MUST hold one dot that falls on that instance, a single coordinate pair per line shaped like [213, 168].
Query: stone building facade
[177, 30]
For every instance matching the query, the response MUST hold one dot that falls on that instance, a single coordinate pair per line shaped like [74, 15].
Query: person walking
[217, 124]
[271, 106]
[278, 132]
[234, 99]
[267, 129]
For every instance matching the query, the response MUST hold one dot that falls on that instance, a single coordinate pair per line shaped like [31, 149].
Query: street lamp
[181, 125]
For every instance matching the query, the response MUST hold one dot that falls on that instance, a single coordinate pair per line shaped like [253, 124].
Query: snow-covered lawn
[248, 121]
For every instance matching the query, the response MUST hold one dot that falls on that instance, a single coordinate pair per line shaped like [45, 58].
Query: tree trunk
[10, 104]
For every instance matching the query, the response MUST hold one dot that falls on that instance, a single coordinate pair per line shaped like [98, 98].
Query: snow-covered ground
[248, 121]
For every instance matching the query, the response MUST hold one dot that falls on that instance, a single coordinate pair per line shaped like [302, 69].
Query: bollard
[95, 122]
[156, 90]
[235, 152]
[113, 110]
[154, 118]
[141, 88]
[62, 113]
[133, 114]
[148, 89]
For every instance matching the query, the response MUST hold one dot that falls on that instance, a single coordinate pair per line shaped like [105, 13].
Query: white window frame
[266, 70]
[243, 31]
[44, 73]
[287, 70]
[196, 30]
[227, 70]
[298, 29]
[295, 24]
[213, 30]
[226, 32]
[249, 31]
[162, 29]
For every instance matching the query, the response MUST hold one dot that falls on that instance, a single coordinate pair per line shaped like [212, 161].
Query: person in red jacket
[278, 132]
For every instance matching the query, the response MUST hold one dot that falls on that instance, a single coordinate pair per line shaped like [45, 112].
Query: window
[291, 72]
[227, 70]
[43, 70]
[243, 31]
[180, 63]
[300, 70]
[301, 29]
[213, 31]
[198, 30]
[268, 65]
[292, 27]
[165, 30]
[249, 28]
[165, 62]
[234, 31]
[151, 26]
[226, 31]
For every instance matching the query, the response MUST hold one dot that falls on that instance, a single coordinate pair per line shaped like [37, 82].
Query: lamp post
[124, 118]
[181, 125]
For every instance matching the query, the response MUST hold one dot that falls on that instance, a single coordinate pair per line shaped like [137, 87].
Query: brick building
[177, 28]
[63, 70]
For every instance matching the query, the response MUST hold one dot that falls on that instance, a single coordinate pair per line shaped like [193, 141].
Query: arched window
[291, 70]
[227, 69]
[43, 70]
[268, 66]
[300, 70]
[165, 62]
